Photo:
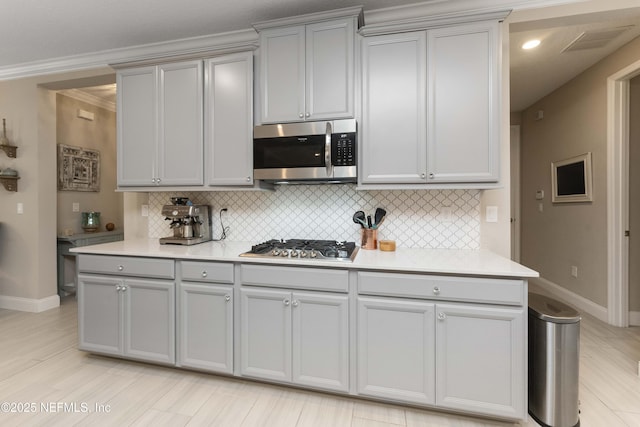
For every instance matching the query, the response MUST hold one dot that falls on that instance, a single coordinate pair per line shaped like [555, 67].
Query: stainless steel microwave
[307, 152]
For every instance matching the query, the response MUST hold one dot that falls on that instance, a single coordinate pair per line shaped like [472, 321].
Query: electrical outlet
[75, 207]
[144, 210]
[540, 207]
[574, 271]
[491, 214]
[20, 208]
[445, 213]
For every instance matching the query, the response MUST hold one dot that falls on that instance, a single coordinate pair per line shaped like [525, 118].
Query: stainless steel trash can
[554, 339]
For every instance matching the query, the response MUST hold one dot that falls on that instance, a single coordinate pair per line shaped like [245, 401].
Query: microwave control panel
[343, 149]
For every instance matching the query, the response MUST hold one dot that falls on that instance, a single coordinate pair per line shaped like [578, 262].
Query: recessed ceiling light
[531, 44]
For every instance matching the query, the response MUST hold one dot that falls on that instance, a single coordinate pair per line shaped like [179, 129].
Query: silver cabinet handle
[295, 303]
[158, 180]
[307, 115]
[436, 290]
[431, 176]
[120, 267]
[442, 316]
[248, 179]
[286, 302]
[423, 176]
[124, 288]
[118, 288]
[227, 298]
[204, 273]
[301, 115]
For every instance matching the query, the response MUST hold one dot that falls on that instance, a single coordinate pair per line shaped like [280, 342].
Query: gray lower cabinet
[129, 317]
[205, 316]
[480, 359]
[396, 355]
[454, 342]
[298, 337]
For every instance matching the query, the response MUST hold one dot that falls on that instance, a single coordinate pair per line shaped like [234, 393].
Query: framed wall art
[78, 169]
[571, 180]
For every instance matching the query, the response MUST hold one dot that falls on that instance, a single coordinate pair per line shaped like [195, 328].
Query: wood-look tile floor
[42, 370]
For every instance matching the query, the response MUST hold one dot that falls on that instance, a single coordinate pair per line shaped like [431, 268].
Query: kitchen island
[434, 328]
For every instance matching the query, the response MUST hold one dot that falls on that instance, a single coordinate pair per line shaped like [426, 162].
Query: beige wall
[575, 120]
[99, 134]
[28, 240]
[634, 196]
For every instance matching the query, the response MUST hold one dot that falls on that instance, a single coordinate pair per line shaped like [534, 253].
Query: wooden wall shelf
[10, 182]
[9, 149]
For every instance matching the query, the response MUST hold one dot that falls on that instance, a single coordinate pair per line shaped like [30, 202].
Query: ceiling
[41, 31]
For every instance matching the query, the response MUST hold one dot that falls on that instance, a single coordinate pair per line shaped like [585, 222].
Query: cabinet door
[321, 341]
[396, 355]
[464, 103]
[229, 119]
[205, 335]
[180, 142]
[99, 315]
[330, 69]
[481, 361]
[393, 137]
[265, 334]
[282, 74]
[149, 319]
[137, 126]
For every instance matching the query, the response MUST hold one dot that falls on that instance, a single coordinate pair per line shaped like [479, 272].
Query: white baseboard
[27, 304]
[581, 303]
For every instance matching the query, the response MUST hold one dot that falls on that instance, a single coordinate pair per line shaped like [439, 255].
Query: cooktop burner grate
[305, 249]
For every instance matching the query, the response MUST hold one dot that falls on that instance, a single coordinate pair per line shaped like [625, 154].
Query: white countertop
[434, 261]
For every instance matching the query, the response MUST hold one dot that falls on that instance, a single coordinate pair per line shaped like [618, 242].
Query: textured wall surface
[414, 218]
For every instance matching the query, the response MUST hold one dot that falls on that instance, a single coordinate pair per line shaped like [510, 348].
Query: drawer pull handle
[442, 316]
[286, 302]
[295, 303]
[227, 298]
[120, 267]
[436, 290]
[118, 288]
[204, 274]
[124, 289]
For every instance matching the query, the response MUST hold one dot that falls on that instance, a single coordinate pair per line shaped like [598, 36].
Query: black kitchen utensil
[379, 216]
[369, 224]
[359, 218]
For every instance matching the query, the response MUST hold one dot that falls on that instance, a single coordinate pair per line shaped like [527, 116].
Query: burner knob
[284, 253]
[295, 253]
[275, 252]
[313, 254]
[303, 254]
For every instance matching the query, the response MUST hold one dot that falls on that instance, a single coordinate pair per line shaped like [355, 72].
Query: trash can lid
[551, 310]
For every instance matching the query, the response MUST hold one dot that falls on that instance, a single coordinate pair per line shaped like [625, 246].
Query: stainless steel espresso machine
[191, 224]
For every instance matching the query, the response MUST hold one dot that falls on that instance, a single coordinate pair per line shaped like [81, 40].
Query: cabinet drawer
[296, 278]
[127, 266]
[495, 291]
[218, 272]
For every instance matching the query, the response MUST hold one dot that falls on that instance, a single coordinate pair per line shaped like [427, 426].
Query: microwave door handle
[327, 151]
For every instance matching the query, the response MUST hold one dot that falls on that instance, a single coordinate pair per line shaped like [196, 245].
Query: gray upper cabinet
[229, 119]
[431, 106]
[160, 130]
[393, 131]
[307, 70]
[463, 124]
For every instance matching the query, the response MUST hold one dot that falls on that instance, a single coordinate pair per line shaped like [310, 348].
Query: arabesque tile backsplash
[415, 218]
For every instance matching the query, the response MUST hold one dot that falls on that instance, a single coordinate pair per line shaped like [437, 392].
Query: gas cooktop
[322, 250]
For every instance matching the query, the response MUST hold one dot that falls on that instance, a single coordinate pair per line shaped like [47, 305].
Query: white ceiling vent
[593, 39]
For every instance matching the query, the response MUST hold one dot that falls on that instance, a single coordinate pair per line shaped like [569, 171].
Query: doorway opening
[618, 102]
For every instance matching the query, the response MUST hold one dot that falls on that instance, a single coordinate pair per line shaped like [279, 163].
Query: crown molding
[443, 8]
[201, 46]
[355, 11]
[80, 95]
